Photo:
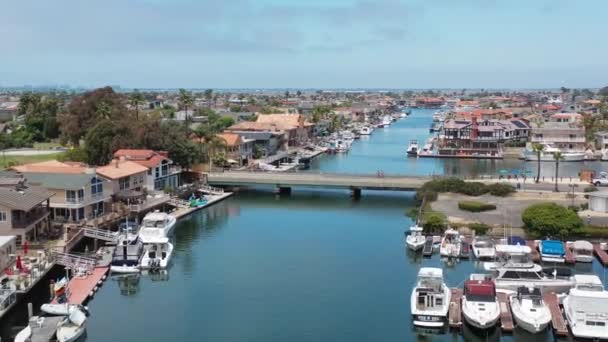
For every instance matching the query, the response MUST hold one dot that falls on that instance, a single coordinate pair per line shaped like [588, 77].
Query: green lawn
[6, 161]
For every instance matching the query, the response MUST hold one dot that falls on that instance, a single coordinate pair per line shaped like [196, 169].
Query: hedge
[475, 206]
[456, 185]
[479, 228]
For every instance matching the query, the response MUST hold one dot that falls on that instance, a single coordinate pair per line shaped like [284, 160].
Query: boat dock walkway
[185, 210]
[80, 289]
[44, 328]
[506, 320]
[557, 318]
[601, 254]
[455, 312]
[427, 250]
[535, 254]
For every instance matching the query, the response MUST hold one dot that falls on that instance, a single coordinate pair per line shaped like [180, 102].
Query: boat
[415, 240]
[157, 254]
[547, 154]
[61, 309]
[403, 115]
[552, 251]
[126, 256]
[465, 249]
[72, 327]
[430, 300]
[529, 309]
[386, 121]
[483, 248]
[582, 251]
[129, 229]
[412, 149]
[586, 308]
[25, 334]
[512, 276]
[480, 306]
[195, 202]
[365, 130]
[157, 224]
[450, 244]
[60, 289]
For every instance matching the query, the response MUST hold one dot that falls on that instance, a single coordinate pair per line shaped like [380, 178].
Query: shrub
[584, 206]
[475, 206]
[550, 219]
[479, 228]
[590, 188]
[434, 222]
[474, 189]
[500, 189]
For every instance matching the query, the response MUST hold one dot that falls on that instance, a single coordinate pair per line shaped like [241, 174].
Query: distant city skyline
[262, 44]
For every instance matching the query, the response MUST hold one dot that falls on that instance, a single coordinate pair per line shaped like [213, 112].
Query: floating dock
[569, 257]
[80, 289]
[427, 250]
[186, 210]
[557, 318]
[455, 312]
[601, 254]
[506, 320]
[535, 254]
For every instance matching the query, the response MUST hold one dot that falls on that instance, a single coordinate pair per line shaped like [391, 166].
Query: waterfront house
[429, 102]
[267, 137]
[297, 131]
[125, 176]
[238, 149]
[162, 173]
[564, 135]
[8, 248]
[24, 212]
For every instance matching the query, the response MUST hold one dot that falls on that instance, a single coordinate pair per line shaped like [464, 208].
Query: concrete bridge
[283, 181]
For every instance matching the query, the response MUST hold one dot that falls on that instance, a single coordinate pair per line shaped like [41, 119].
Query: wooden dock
[44, 328]
[557, 318]
[455, 312]
[80, 289]
[569, 257]
[427, 250]
[601, 254]
[535, 254]
[506, 320]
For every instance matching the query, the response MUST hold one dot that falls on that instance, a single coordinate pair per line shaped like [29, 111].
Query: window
[96, 186]
[157, 172]
[74, 196]
[165, 168]
[124, 183]
[2, 216]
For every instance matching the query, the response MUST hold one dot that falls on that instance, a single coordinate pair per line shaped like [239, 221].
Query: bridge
[283, 181]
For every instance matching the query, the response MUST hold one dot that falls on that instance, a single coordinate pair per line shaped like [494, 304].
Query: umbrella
[18, 263]
[25, 247]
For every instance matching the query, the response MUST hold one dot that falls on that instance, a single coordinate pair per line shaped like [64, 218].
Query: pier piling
[355, 193]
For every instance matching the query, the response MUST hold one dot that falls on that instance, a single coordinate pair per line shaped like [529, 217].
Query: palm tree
[186, 101]
[208, 96]
[202, 135]
[135, 99]
[538, 149]
[214, 143]
[557, 156]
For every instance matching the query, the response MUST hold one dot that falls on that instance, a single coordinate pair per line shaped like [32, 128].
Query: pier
[455, 312]
[506, 320]
[557, 318]
[535, 255]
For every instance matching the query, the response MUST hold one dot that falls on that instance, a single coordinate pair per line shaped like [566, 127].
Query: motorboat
[511, 256]
[450, 243]
[128, 228]
[483, 248]
[439, 116]
[513, 276]
[126, 256]
[586, 308]
[413, 148]
[72, 327]
[157, 254]
[403, 115]
[582, 251]
[25, 334]
[430, 299]
[480, 306]
[61, 309]
[547, 154]
[415, 240]
[529, 309]
[195, 202]
[156, 225]
[365, 130]
[552, 251]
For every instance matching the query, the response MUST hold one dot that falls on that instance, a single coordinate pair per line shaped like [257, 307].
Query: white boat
[365, 130]
[582, 251]
[430, 300]
[412, 149]
[403, 115]
[156, 225]
[127, 256]
[450, 244]
[386, 121]
[61, 309]
[483, 248]
[415, 240]
[157, 254]
[586, 308]
[25, 334]
[480, 306]
[72, 327]
[547, 154]
[529, 310]
[512, 276]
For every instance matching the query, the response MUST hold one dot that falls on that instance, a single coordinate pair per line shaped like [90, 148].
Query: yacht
[156, 225]
[439, 116]
[157, 254]
[480, 306]
[403, 115]
[512, 276]
[126, 256]
[547, 154]
[412, 149]
[430, 299]
[586, 308]
[72, 327]
[415, 240]
[552, 251]
[365, 130]
[511, 256]
[386, 121]
[529, 310]
[450, 243]
[483, 248]
[582, 251]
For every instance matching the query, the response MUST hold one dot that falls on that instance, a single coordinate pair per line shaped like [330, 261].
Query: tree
[103, 139]
[434, 223]
[551, 220]
[603, 91]
[538, 149]
[557, 156]
[298, 93]
[214, 143]
[176, 141]
[136, 98]
[186, 101]
[208, 96]
[286, 94]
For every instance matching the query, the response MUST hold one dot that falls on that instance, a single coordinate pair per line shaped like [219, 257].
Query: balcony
[78, 202]
[557, 139]
[22, 219]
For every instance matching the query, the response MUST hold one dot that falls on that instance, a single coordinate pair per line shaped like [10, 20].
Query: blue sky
[305, 43]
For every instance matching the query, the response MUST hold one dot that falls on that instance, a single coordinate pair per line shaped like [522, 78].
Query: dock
[44, 328]
[80, 289]
[601, 254]
[455, 312]
[427, 250]
[465, 249]
[560, 328]
[506, 320]
[185, 210]
[569, 257]
[535, 254]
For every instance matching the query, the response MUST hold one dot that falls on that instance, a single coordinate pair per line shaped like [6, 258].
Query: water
[385, 150]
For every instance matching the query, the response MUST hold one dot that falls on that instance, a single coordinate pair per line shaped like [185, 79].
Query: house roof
[131, 154]
[231, 139]
[121, 168]
[64, 181]
[51, 166]
[25, 199]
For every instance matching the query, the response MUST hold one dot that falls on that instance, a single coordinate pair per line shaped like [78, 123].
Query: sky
[305, 43]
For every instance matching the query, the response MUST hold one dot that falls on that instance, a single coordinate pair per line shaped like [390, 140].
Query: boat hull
[558, 286]
[548, 157]
[70, 333]
[415, 245]
[527, 323]
[429, 321]
[124, 269]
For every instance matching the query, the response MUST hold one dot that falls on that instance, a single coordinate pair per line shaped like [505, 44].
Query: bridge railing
[332, 174]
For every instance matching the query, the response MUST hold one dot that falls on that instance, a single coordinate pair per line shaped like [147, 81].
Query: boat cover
[552, 247]
[516, 240]
[479, 288]
[582, 245]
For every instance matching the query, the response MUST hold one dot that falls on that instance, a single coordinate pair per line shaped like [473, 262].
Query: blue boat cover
[516, 240]
[553, 247]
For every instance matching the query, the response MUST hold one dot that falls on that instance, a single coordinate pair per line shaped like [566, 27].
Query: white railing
[101, 234]
[75, 262]
[557, 139]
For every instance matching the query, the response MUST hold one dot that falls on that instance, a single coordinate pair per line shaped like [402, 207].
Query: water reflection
[128, 284]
